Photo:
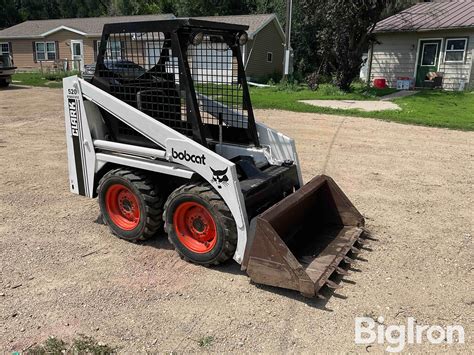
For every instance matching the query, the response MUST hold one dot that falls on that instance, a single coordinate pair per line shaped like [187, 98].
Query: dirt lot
[63, 274]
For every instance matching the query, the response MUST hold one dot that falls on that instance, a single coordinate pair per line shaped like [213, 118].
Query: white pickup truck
[6, 70]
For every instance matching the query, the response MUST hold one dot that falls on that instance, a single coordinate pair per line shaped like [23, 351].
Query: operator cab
[185, 73]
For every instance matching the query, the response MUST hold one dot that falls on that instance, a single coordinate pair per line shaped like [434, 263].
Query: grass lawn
[39, 79]
[430, 108]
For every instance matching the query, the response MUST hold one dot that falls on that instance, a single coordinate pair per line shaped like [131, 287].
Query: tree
[336, 33]
[213, 7]
[343, 33]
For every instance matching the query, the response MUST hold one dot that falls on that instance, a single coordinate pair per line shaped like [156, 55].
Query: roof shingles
[428, 16]
[92, 26]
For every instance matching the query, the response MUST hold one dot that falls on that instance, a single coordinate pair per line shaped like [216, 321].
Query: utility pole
[286, 71]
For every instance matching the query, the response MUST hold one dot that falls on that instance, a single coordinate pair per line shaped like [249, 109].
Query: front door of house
[428, 57]
[77, 54]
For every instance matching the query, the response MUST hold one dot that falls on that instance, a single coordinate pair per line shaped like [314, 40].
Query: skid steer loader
[164, 135]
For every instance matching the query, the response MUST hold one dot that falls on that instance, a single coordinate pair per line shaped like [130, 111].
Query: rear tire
[200, 225]
[130, 204]
[4, 83]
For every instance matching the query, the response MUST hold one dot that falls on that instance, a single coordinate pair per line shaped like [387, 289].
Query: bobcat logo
[220, 177]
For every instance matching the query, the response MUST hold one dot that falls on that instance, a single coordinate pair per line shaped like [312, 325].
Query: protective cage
[187, 74]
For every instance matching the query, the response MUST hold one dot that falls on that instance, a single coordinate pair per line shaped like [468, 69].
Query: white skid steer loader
[164, 135]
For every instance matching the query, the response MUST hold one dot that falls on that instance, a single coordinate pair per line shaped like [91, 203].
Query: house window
[45, 50]
[114, 49]
[269, 57]
[4, 48]
[455, 50]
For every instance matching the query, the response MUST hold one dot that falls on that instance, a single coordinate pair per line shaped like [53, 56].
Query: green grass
[430, 108]
[47, 79]
[81, 345]
[205, 341]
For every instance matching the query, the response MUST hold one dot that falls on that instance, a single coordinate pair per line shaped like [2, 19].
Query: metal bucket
[299, 242]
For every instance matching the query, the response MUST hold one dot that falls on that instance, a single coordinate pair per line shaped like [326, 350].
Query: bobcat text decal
[198, 159]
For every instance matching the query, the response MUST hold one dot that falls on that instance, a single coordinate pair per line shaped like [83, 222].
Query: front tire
[200, 225]
[130, 204]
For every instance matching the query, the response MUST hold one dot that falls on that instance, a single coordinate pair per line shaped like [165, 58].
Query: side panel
[281, 147]
[81, 154]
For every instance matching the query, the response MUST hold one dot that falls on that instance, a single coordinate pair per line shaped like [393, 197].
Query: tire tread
[153, 201]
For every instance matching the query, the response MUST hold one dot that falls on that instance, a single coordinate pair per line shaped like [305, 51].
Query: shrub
[330, 90]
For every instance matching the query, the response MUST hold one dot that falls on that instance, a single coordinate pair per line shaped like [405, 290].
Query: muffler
[300, 241]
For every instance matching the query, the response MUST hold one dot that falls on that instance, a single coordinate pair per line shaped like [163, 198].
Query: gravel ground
[64, 274]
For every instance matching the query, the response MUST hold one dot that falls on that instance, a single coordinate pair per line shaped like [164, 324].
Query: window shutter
[10, 50]
[56, 44]
[34, 52]
[94, 44]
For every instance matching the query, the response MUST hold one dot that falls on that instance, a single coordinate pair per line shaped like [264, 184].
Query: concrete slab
[354, 104]
[396, 95]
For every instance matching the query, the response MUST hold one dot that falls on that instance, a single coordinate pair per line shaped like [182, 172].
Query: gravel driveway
[64, 274]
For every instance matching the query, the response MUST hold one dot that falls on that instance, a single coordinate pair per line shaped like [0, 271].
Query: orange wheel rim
[195, 227]
[122, 206]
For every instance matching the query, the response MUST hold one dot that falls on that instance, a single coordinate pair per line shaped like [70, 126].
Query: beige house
[428, 37]
[72, 43]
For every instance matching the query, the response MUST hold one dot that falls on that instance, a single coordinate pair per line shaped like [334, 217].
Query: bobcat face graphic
[220, 177]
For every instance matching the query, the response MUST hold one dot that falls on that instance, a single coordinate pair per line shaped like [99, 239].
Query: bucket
[299, 242]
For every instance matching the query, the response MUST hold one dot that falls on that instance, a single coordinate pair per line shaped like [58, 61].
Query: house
[74, 42]
[425, 38]
[42, 43]
[263, 54]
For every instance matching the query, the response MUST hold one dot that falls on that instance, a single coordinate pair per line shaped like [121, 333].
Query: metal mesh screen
[214, 70]
[141, 70]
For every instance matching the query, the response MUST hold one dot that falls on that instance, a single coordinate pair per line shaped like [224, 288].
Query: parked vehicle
[124, 68]
[7, 69]
[176, 147]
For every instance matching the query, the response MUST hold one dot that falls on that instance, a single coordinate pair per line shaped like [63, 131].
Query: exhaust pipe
[300, 241]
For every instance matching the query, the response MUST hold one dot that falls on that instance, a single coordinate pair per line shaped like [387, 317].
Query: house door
[428, 57]
[77, 54]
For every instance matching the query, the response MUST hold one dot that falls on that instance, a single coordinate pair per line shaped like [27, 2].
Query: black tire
[147, 198]
[226, 231]
[4, 83]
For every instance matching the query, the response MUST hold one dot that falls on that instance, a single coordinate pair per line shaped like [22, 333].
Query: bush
[289, 85]
[58, 75]
[329, 90]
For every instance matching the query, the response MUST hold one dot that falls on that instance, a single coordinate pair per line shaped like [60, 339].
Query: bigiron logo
[73, 117]
[198, 159]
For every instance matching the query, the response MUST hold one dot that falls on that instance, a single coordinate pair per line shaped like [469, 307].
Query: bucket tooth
[355, 250]
[333, 285]
[341, 271]
[349, 260]
[321, 297]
